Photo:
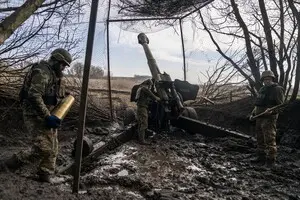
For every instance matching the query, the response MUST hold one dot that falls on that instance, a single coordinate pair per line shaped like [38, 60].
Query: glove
[52, 121]
[268, 111]
[251, 118]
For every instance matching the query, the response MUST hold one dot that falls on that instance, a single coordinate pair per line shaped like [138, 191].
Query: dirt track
[175, 166]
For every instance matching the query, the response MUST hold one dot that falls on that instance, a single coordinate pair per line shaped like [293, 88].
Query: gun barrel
[156, 75]
[144, 41]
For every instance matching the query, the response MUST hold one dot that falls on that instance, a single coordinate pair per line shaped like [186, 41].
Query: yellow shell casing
[62, 109]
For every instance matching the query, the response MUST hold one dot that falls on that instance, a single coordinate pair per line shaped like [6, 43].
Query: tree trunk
[297, 76]
[16, 19]
[281, 46]
[253, 67]
[267, 30]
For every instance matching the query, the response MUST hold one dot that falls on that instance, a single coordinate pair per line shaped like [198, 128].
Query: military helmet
[147, 82]
[267, 73]
[62, 55]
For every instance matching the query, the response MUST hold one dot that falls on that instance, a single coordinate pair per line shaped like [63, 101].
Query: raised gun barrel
[157, 76]
[144, 41]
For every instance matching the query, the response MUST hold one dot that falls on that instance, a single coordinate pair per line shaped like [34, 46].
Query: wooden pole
[108, 63]
[84, 90]
[183, 50]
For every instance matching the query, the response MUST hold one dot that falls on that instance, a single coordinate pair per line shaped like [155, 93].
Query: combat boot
[259, 160]
[270, 163]
[44, 177]
[142, 137]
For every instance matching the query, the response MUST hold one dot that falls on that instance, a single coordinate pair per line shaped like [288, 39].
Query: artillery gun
[171, 93]
[169, 111]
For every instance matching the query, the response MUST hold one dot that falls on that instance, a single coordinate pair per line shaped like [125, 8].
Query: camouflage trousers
[142, 118]
[44, 148]
[266, 137]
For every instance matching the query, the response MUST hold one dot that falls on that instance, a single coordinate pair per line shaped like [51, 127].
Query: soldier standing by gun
[39, 95]
[143, 98]
[270, 95]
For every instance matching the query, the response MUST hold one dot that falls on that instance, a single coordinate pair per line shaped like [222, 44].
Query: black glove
[251, 118]
[52, 121]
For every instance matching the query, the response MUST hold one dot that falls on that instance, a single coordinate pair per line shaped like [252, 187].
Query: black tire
[190, 113]
[129, 116]
[87, 147]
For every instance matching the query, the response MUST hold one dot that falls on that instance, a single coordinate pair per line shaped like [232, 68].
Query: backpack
[23, 94]
[48, 100]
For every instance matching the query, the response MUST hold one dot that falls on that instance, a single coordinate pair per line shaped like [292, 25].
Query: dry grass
[98, 95]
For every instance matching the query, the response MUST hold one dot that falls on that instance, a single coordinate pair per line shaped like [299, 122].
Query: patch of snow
[99, 144]
[124, 172]
[194, 168]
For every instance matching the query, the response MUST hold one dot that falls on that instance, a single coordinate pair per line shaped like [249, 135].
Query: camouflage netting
[158, 8]
[134, 9]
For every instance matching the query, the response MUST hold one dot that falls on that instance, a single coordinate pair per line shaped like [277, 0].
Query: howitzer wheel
[129, 116]
[87, 147]
[190, 113]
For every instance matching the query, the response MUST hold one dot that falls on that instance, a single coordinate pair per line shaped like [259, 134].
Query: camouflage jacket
[269, 96]
[144, 96]
[40, 91]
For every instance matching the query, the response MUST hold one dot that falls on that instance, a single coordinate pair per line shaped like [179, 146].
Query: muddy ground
[175, 166]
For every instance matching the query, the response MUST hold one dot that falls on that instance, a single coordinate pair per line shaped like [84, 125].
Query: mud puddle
[181, 166]
[174, 166]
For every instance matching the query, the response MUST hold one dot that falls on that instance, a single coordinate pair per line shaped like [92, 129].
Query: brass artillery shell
[62, 109]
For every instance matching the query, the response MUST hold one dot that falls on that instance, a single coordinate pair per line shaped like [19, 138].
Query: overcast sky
[127, 57]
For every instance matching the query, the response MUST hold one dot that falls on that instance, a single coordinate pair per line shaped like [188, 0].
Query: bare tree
[13, 21]
[268, 33]
[30, 31]
[297, 77]
[77, 71]
[34, 28]
[223, 82]
[265, 28]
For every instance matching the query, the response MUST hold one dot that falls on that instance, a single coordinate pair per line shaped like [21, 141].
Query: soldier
[39, 95]
[270, 95]
[143, 98]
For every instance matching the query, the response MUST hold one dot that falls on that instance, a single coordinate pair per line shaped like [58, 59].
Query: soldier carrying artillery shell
[38, 96]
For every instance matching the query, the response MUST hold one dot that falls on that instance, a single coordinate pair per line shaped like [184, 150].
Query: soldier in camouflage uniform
[270, 95]
[39, 95]
[143, 98]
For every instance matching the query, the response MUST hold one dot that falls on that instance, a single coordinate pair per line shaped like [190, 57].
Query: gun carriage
[169, 111]
[171, 93]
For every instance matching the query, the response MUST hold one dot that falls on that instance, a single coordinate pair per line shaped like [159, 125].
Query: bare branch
[12, 22]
